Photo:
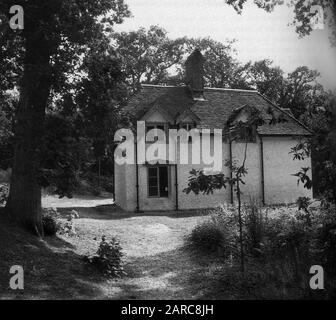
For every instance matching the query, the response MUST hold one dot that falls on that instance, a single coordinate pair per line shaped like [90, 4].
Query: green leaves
[304, 12]
[109, 258]
[199, 182]
[206, 184]
[301, 151]
[304, 178]
[147, 55]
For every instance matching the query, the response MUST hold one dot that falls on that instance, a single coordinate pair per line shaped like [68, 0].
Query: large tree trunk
[24, 203]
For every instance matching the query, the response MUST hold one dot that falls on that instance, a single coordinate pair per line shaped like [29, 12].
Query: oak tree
[56, 33]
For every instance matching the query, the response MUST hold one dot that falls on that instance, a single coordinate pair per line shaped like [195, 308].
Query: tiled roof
[215, 110]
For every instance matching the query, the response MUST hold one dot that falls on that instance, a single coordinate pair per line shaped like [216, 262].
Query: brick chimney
[194, 73]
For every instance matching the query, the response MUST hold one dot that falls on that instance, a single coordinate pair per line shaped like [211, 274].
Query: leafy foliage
[207, 237]
[67, 227]
[303, 203]
[108, 258]
[304, 178]
[254, 227]
[217, 234]
[321, 120]
[49, 222]
[201, 183]
[8, 105]
[147, 55]
[4, 192]
[295, 91]
[304, 12]
[280, 245]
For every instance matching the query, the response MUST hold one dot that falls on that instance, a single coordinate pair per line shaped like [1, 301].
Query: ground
[157, 262]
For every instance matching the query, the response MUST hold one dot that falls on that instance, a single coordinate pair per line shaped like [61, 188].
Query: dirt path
[157, 264]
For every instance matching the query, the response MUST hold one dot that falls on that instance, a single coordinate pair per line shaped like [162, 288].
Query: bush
[303, 203]
[5, 175]
[89, 184]
[254, 227]
[108, 259]
[325, 244]
[281, 245]
[49, 222]
[217, 235]
[207, 237]
[4, 192]
[67, 227]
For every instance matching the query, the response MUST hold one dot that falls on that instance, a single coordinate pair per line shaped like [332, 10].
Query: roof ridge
[288, 114]
[205, 88]
[229, 89]
[159, 86]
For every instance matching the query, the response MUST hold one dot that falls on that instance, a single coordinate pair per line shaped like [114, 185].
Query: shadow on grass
[113, 212]
[49, 273]
[185, 274]
[52, 270]
[177, 274]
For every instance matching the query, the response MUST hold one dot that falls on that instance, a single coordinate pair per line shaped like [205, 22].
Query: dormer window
[187, 126]
[156, 126]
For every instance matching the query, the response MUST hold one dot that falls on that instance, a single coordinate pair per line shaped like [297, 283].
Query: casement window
[160, 126]
[187, 126]
[158, 181]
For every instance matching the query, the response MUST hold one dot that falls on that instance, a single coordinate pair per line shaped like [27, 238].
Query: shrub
[108, 259]
[284, 243]
[89, 184]
[254, 227]
[5, 175]
[49, 222]
[325, 244]
[67, 227]
[4, 191]
[207, 237]
[303, 203]
[217, 235]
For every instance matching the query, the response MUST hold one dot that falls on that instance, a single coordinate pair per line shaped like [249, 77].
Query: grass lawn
[157, 263]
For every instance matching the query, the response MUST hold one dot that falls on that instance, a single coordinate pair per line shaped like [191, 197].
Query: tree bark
[240, 222]
[24, 202]
[240, 219]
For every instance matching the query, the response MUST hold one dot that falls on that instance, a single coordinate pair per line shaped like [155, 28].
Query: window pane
[153, 192]
[152, 172]
[152, 182]
[187, 126]
[163, 174]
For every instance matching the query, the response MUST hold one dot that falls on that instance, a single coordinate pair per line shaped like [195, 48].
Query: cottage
[159, 186]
